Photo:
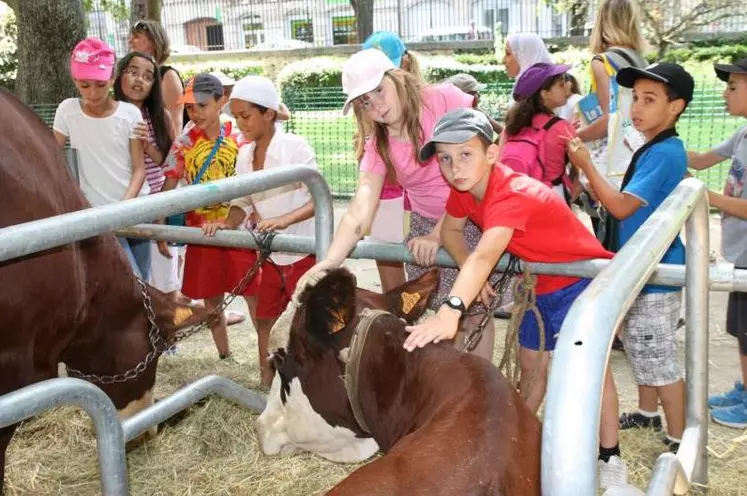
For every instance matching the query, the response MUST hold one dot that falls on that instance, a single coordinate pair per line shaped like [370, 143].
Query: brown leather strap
[354, 352]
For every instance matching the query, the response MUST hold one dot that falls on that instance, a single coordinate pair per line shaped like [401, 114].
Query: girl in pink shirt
[404, 116]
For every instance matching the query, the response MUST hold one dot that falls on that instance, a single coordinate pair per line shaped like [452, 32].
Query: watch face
[455, 302]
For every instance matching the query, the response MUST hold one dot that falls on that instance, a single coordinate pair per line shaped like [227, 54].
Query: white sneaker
[612, 473]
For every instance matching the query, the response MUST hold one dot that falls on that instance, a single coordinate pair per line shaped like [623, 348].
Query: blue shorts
[553, 308]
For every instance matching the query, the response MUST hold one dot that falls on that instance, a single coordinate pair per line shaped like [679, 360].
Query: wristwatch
[456, 303]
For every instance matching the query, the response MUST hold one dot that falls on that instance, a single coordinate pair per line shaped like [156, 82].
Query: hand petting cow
[448, 422]
[79, 303]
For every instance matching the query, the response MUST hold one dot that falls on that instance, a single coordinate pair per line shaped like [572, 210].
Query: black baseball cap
[672, 75]
[457, 126]
[201, 88]
[738, 67]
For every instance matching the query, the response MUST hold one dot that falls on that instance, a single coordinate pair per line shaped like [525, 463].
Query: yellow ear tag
[409, 300]
[181, 314]
[339, 323]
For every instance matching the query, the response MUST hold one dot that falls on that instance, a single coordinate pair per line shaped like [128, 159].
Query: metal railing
[31, 237]
[572, 409]
[32, 400]
[722, 276]
[186, 397]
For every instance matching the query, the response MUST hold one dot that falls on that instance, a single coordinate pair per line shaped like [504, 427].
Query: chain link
[474, 337]
[155, 338]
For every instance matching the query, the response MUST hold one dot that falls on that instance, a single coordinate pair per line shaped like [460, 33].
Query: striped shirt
[153, 171]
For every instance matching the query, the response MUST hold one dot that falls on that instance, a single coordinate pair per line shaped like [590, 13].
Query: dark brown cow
[449, 423]
[79, 303]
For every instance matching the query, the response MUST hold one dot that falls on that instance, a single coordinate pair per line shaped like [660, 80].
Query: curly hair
[521, 114]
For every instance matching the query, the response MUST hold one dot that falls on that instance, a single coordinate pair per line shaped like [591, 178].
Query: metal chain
[474, 337]
[263, 240]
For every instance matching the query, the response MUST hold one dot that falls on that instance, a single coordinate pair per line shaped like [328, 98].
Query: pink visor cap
[92, 59]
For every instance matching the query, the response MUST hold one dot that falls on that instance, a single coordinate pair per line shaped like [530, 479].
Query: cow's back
[43, 296]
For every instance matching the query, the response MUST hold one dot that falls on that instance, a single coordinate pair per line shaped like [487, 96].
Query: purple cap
[533, 78]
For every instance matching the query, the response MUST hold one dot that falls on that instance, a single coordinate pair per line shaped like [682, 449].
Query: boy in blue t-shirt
[661, 92]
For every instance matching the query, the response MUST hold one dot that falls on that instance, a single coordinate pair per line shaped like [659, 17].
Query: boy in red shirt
[516, 214]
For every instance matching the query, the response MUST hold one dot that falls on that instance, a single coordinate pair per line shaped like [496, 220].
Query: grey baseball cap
[457, 126]
[467, 83]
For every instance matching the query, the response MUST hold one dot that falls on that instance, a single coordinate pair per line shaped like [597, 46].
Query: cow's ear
[171, 316]
[330, 304]
[410, 300]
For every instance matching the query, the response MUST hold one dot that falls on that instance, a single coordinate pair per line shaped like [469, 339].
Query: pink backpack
[525, 152]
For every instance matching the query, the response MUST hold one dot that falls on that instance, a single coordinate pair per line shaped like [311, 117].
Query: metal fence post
[71, 157]
[570, 438]
[36, 398]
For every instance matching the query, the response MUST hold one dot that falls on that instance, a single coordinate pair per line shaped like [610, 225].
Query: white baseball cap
[258, 90]
[362, 73]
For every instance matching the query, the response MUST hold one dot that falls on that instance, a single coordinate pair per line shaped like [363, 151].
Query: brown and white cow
[79, 303]
[448, 421]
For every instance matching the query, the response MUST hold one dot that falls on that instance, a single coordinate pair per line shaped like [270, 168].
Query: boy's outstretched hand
[439, 327]
[209, 229]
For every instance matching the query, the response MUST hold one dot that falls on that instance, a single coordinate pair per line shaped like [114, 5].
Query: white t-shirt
[284, 149]
[103, 144]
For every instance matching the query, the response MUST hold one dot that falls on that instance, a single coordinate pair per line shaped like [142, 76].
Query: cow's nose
[273, 439]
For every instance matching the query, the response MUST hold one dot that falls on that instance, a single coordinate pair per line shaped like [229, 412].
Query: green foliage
[8, 50]
[728, 53]
[476, 59]
[234, 70]
[437, 71]
[119, 9]
[318, 72]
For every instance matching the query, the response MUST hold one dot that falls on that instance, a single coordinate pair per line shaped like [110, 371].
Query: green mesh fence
[316, 115]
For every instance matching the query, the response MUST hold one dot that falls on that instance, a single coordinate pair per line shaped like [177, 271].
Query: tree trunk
[364, 17]
[47, 34]
[145, 9]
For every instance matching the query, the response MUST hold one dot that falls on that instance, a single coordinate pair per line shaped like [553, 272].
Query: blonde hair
[157, 35]
[408, 91]
[411, 64]
[617, 24]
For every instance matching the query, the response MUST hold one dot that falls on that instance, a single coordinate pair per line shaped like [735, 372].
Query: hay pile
[212, 448]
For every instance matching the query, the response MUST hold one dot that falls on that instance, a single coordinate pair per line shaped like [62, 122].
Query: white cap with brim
[362, 73]
[258, 90]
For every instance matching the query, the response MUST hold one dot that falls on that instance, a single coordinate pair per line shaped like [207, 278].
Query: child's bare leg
[218, 326]
[610, 413]
[251, 304]
[264, 326]
[486, 344]
[648, 399]
[392, 275]
[673, 403]
[533, 382]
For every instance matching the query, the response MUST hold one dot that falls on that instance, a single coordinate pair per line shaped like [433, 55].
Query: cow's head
[133, 344]
[307, 407]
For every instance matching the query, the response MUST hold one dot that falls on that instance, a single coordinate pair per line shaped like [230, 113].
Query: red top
[545, 229]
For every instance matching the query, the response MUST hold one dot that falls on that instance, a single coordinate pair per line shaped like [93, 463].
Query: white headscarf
[528, 49]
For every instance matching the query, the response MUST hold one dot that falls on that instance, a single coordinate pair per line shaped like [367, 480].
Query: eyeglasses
[146, 76]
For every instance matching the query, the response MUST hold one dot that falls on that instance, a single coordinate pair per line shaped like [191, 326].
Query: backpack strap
[548, 125]
[625, 56]
[554, 120]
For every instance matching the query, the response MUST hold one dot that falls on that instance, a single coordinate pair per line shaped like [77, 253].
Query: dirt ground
[212, 449]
